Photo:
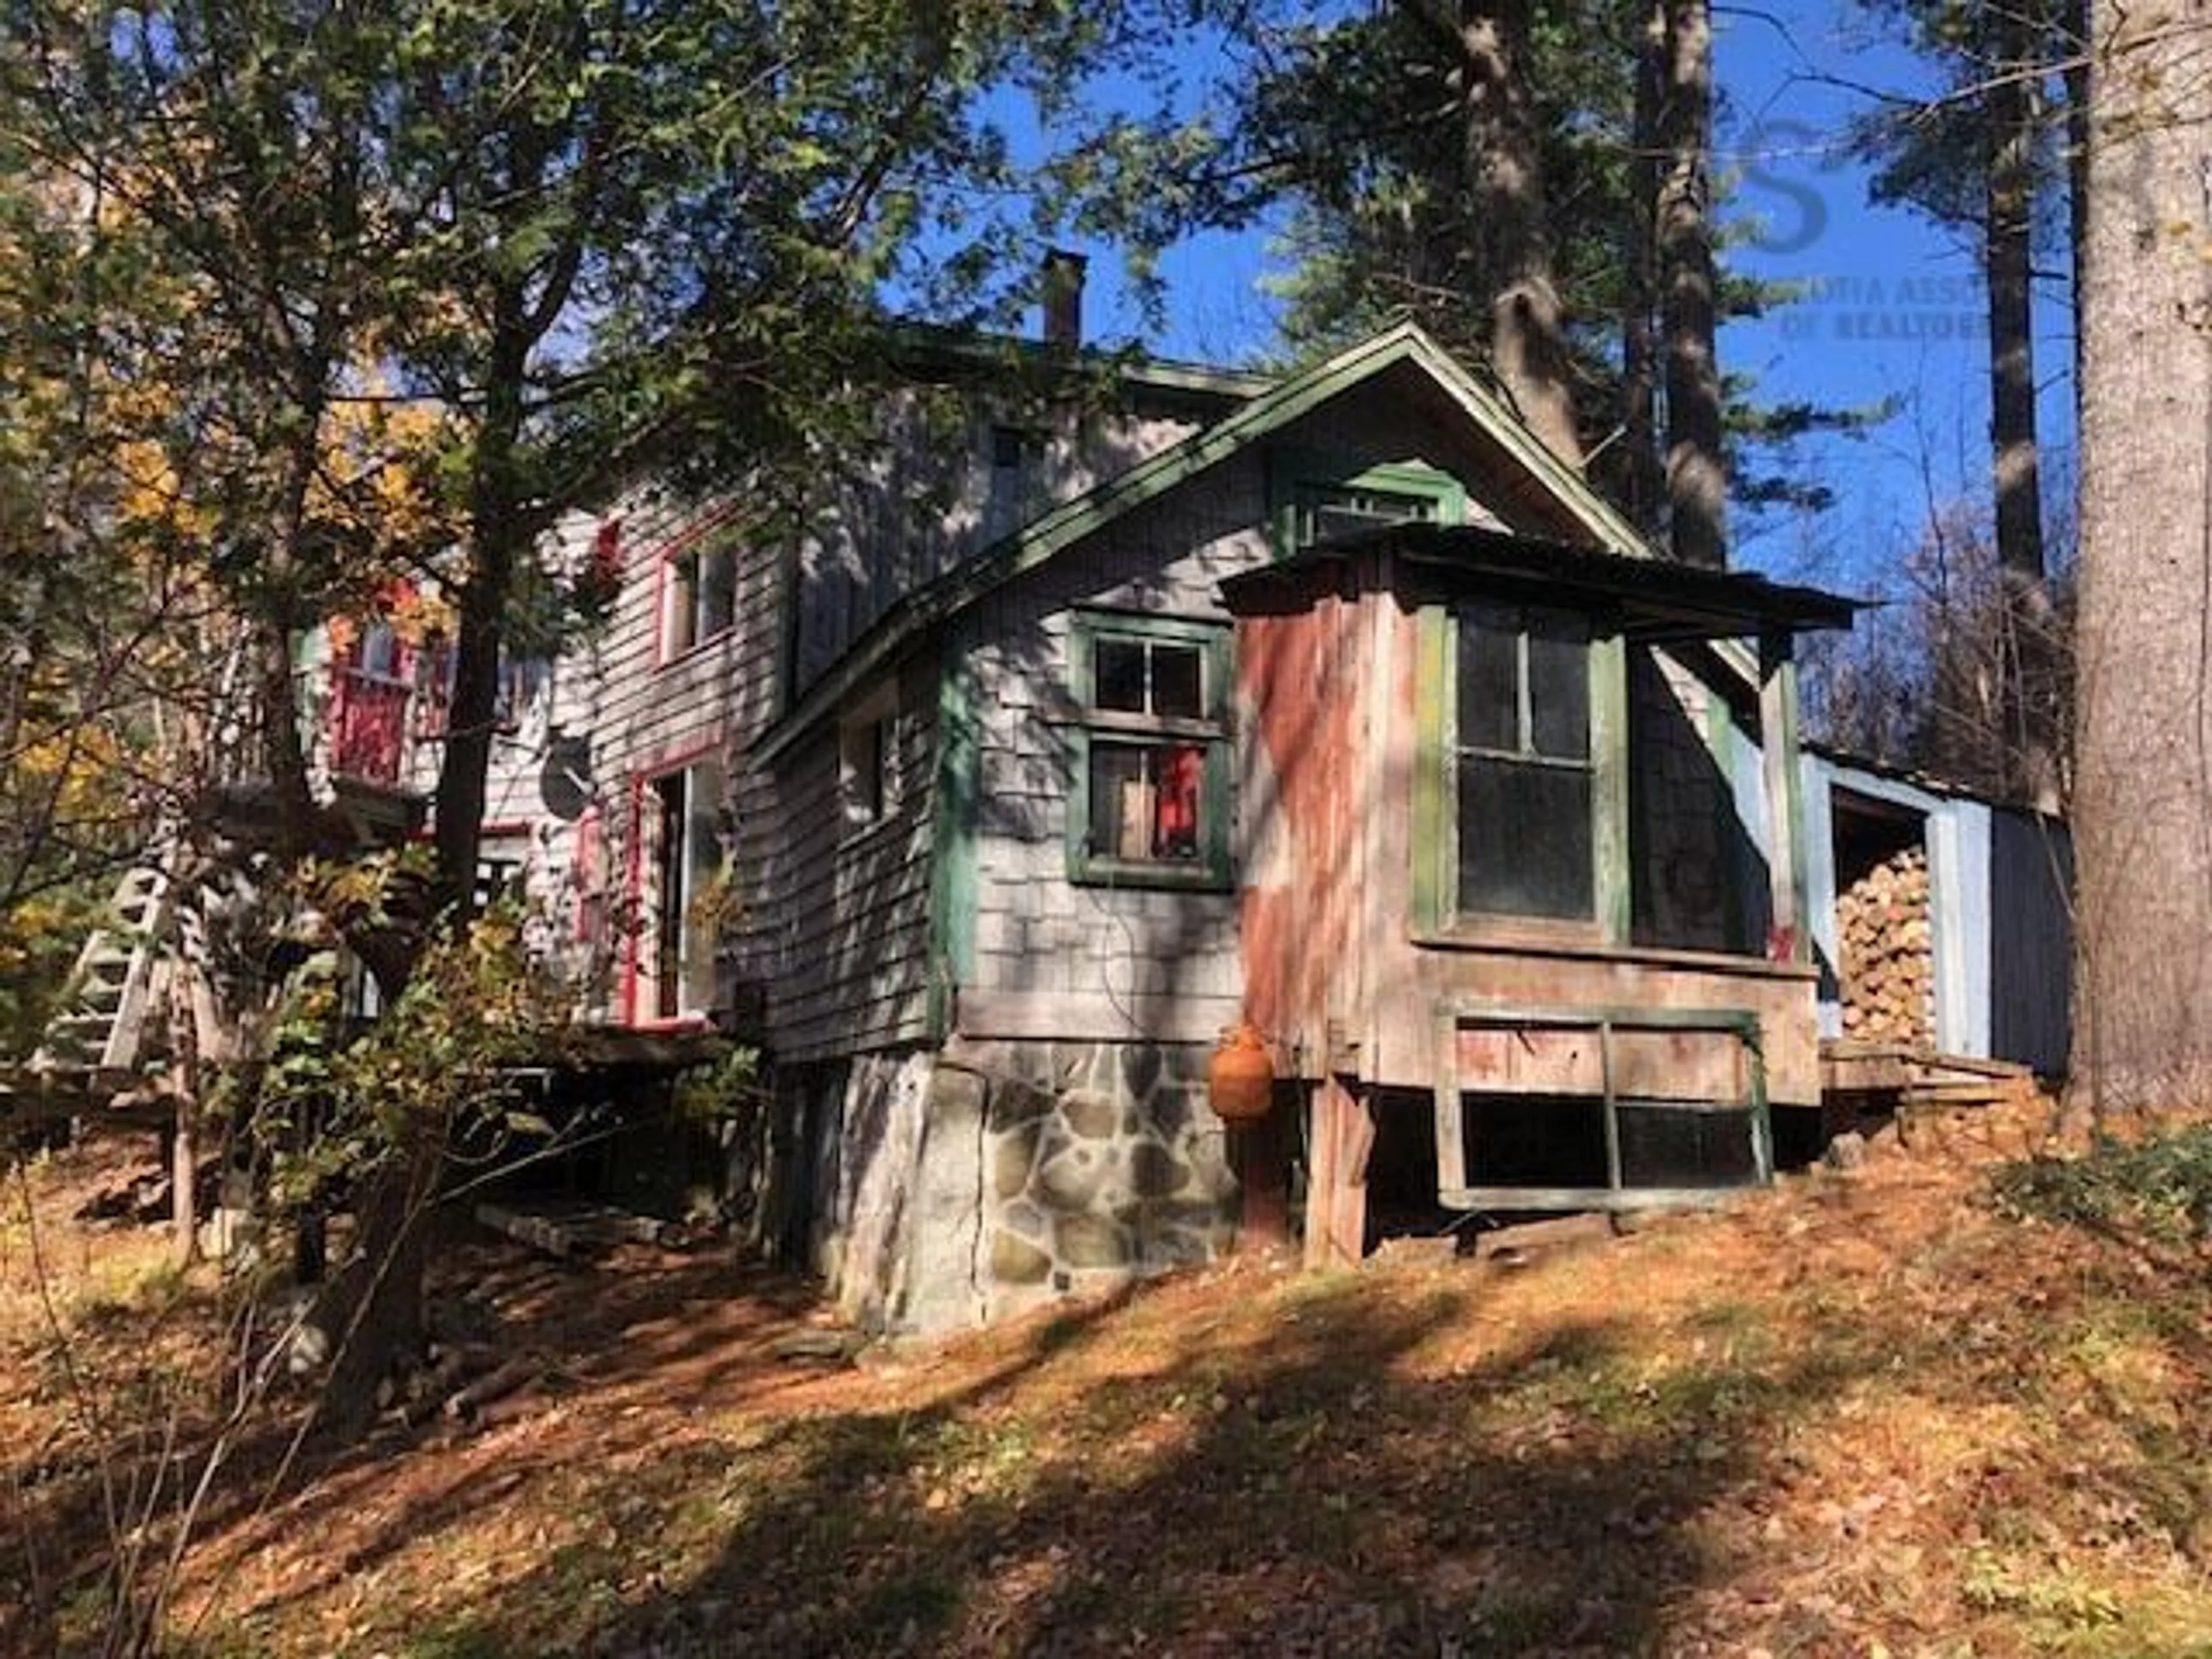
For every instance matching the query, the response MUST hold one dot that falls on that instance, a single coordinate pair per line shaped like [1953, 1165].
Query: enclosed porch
[1524, 844]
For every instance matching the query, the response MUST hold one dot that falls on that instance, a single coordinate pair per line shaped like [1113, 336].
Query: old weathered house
[1073, 731]
[1085, 722]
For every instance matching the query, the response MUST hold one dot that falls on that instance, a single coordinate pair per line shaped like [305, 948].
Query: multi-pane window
[1152, 795]
[1316, 498]
[1522, 771]
[1327, 513]
[701, 596]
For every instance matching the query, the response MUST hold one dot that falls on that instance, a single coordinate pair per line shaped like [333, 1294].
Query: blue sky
[1892, 309]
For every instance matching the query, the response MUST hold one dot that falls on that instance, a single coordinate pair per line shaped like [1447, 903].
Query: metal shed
[1999, 884]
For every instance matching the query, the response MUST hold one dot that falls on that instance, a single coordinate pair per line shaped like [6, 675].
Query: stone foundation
[960, 1188]
[1102, 1163]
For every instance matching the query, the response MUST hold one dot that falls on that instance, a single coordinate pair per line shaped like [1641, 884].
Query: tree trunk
[2026, 734]
[1642, 476]
[375, 1300]
[2073, 37]
[1510, 241]
[1697, 483]
[499, 542]
[2144, 788]
[371, 1309]
[184, 1142]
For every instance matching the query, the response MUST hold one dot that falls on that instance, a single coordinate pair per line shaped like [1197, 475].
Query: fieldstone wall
[1102, 1163]
[953, 1188]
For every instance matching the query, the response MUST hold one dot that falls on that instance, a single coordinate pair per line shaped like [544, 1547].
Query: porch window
[1522, 766]
[699, 595]
[1520, 803]
[1149, 797]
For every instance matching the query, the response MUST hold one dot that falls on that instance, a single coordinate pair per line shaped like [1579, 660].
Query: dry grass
[1862, 1417]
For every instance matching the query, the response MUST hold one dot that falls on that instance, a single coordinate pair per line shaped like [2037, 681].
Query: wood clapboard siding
[652, 715]
[837, 923]
[928, 502]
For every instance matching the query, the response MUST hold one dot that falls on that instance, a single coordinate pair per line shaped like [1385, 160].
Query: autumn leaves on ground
[1870, 1414]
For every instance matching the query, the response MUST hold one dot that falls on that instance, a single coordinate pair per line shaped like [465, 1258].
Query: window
[1017, 473]
[1592, 1106]
[1318, 499]
[867, 760]
[684, 836]
[699, 597]
[523, 687]
[1520, 806]
[1522, 765]
[526, 688]
[1149, 797]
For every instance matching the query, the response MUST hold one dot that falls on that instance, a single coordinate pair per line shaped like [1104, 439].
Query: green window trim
[1293, 475]
[1436, 884]
[1142, 734]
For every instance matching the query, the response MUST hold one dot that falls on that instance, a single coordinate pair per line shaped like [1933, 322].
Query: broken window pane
[1533, 1140]
[1686, 1145]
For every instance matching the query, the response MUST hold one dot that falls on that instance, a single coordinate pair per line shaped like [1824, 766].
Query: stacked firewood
[1888, 941]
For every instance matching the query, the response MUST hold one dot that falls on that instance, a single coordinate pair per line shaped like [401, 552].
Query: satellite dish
[564, 782]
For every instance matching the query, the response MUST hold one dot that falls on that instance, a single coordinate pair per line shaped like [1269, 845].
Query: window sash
[1149, 797]
[702, 597]
[1489, 853]
[1313, 495]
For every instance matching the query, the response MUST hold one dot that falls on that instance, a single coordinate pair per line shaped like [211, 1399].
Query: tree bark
[2027, 735]
[2074, 42]
[2143, 788]
[497, 543]
[371, 1309]
[1641, 475]
[1512, 264]
[1696, 482]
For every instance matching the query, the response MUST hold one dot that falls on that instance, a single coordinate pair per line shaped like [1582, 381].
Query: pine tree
[1987, 160]
[2143, 793]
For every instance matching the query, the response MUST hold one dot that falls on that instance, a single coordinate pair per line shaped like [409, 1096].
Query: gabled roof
[1044, 538]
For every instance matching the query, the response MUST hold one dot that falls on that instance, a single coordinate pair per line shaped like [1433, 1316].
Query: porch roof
[1653, 600]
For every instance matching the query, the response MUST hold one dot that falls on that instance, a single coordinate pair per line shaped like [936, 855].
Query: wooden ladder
[100, 1028]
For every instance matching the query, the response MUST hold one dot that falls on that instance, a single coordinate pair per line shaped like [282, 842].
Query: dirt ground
[1856, 1415]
